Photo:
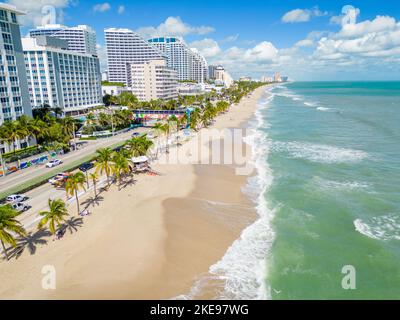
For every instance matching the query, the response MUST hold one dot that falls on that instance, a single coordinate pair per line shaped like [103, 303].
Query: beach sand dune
[150, 240]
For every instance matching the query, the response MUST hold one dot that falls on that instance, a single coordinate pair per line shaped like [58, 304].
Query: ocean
[327, 192]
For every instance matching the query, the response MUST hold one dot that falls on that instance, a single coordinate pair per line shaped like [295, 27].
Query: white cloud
[207, 47]
[101, 7]
[173, 26]
[302, 15]
[121, 9]
[40, 12]
[262, 52]
[377, 38]
[304, 43]
[102, 54]
[231, 38]
[349, 15]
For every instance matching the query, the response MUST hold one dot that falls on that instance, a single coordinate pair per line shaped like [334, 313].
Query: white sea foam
[386, 227]
[310, 104]
[323, 109]
[319, 152]
[345, 185]
[243, 267]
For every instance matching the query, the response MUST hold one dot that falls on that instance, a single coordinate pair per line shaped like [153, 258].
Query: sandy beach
[150, 240]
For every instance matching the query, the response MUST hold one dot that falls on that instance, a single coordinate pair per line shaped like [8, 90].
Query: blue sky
[307, 40]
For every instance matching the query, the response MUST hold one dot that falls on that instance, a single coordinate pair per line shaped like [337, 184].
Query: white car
[16, 198]
[57, 178]
[20, 206]
[53, 163]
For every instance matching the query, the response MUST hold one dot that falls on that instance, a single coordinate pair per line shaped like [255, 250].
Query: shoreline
[156, 249]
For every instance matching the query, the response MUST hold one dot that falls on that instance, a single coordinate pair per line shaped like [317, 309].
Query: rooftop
[10, 7]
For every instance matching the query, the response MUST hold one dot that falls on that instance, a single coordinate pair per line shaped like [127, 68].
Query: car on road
[16, 198]
[135, 134]
[86, 166]
[53, 163]
[150, 135]
[20, 206]
[59, 178]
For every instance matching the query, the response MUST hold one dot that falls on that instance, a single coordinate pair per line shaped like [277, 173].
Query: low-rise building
[113, 90]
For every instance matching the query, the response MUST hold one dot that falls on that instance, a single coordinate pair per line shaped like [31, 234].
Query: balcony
[4, 94]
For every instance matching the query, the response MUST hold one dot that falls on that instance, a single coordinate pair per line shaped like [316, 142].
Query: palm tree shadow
[92, 201]
[73, 224]
[30, 242]
[127, 183]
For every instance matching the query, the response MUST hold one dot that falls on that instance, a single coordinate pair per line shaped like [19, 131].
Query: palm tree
[94, 177]
[75, 182]
[12, 131]
[9, 227]
[159, 129]
[104, 162]
[194, 119]
[55, 216]
[121, 166]
[29, 125]
[68, 127]
[139, 146]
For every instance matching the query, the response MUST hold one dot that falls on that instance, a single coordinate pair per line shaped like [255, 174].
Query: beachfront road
[21, 176]
[38, 201]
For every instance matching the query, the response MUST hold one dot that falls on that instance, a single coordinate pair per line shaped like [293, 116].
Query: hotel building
[81, 38]
[125, 47]
[222, 77]
[153, 80]
[190, 65]
[60, 77]
[14, 99]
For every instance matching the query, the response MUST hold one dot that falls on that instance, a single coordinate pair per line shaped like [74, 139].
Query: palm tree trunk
[77, 200]
[4, 249]
[94, 187]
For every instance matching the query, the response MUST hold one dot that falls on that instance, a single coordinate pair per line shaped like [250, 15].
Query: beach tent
[140, 159]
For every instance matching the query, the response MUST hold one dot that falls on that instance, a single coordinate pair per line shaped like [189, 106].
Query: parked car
[20, 206]
[16, 198]
[135, 134]
[86, 166]
[59, 178]
[150, 135]
[53, 163]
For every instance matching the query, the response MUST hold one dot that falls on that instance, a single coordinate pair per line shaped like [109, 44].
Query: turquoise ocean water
[334, 199]
[327, 192]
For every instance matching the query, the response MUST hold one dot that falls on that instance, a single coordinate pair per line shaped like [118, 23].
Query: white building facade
[153, 80]
[188, 63]
[222, 77]
[81, 38]
[14, 99]
[125, 47]
[60, 77]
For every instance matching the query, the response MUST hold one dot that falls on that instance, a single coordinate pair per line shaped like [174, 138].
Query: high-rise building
[125, 47]
[14, 99]
[199, 67]
[189, 64]
[277, 77]
[153, 80]
[211, 71]
[223, 77]
[81, 38]
[59, 77]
